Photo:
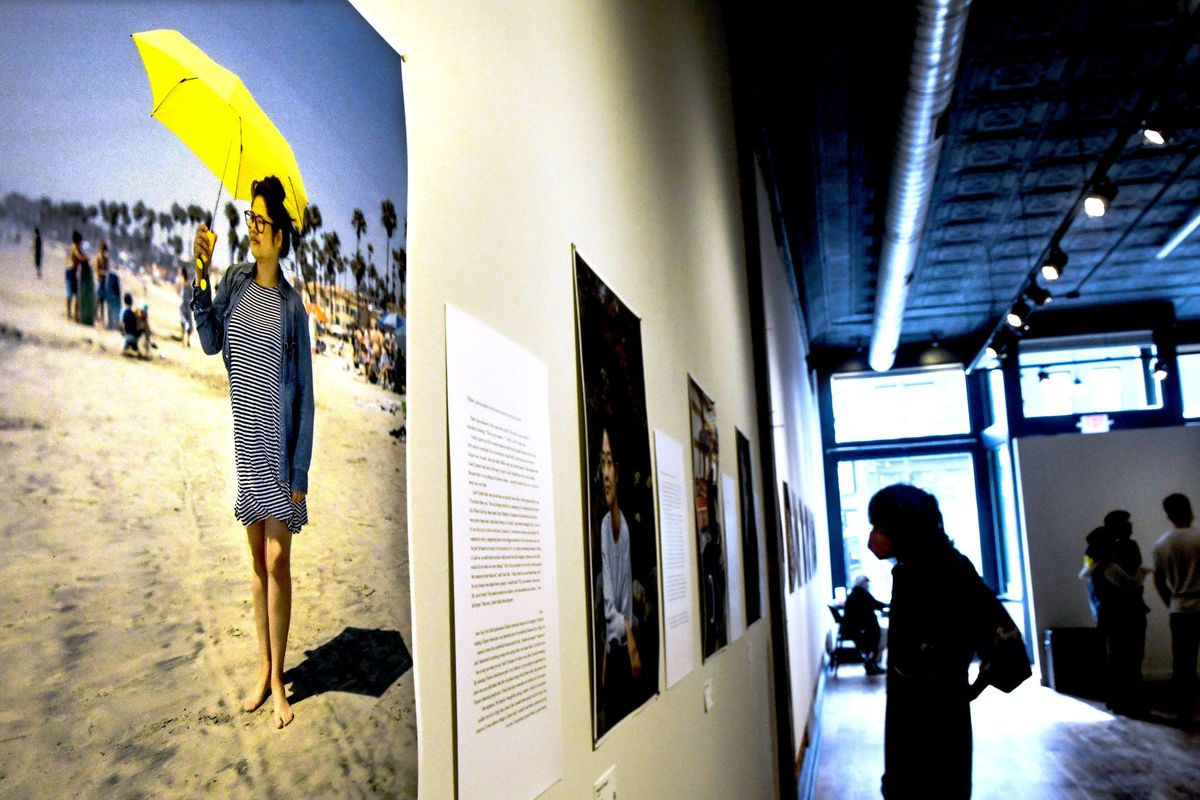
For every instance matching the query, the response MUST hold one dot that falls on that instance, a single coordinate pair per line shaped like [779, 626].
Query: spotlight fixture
[1017, 314]
[1156, 129]
[1038, 295]
[1156, 135]
[1054, 264]
[1160, 370]
[1043, 376]
[1100, 198]
[991, 352]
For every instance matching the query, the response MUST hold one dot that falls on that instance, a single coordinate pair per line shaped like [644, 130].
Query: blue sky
[76, 119]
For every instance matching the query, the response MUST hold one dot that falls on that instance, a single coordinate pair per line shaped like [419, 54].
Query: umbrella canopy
[211, 111]
[392, 320]
[316, 312]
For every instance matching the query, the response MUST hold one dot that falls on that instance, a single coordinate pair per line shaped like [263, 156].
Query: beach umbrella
[392, 320]
[317, 312]
[211, 111]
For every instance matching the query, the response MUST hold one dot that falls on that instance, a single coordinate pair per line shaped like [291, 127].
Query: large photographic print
[749, 530]
[710, 537]
[205, 538]
[622, 544]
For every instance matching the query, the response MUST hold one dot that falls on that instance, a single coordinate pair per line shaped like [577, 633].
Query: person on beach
[129, 326]
[75, 257]
[85, 305]
[143, 328]
[185, 306]
[101, 282]
[258, 323]
[37, 252]
[112, 292]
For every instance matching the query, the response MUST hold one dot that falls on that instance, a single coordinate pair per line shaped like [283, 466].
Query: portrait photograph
[202, 420]
[620, 531]
[710, 537]
[749, 530]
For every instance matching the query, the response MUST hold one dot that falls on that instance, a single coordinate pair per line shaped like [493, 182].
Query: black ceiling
[1044, 89]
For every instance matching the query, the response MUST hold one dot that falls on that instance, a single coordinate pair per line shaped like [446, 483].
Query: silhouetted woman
[258, 324]
[938, 601]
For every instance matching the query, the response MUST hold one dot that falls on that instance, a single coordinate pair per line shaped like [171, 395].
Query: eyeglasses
[257, 223]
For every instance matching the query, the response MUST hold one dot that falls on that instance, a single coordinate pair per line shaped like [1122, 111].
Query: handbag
[1001, 648]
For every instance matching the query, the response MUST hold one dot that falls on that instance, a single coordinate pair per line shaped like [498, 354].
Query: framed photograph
[621, 537]
[749, 529]
[710, 538]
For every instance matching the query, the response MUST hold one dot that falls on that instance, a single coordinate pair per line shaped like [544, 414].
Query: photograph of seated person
[621, 662]
[860, 623]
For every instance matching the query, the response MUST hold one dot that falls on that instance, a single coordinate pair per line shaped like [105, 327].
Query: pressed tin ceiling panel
[1042, 89]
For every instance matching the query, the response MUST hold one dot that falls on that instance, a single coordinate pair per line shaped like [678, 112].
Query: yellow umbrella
[210, 109]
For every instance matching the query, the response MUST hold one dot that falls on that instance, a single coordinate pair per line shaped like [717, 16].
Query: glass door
[949, 477]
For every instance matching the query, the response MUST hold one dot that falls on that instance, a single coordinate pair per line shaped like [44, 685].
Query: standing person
[37, 252]
[86, 306]
[1177, 579]
[101, 282]
[621, 663]
[258, 324]
[112, 291]
[75, 257]
[185, 306]
[1126, 550]
[860, 623]
[1116, 596]
[941, 615]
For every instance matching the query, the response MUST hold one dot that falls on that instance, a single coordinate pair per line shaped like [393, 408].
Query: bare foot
[283, 710]
[258, 694]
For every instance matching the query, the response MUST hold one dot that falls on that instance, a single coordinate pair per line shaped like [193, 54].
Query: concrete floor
[1029, 745]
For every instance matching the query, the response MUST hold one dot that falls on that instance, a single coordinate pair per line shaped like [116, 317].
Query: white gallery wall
[533, 127]
[1068, 483]
[795, 422]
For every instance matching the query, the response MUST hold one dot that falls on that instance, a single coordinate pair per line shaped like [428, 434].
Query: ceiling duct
[937, 45]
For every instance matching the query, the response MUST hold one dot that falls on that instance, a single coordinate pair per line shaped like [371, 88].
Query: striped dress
[255, 360]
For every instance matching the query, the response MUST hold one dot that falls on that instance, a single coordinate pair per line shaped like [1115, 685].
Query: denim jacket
[295, 385]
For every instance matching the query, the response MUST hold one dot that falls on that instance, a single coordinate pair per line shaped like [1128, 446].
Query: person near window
[860, 623]
[1116, 597]
[942, 614]
[1177, 579]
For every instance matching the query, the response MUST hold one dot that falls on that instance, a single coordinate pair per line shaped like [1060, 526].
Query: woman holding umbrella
[258, 324]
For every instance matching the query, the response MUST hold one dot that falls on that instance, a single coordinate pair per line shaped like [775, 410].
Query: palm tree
[232, 215]
[308, 235]
[332, 252]
[360, 227]
[148, 234]
[358, 268]
[195, 215]
[139, 210]
[165, 222]
[387, 211]
[243, 247]
[400, 256]
[112, 218]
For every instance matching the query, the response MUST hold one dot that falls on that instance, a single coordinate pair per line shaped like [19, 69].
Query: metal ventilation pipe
[937, 45]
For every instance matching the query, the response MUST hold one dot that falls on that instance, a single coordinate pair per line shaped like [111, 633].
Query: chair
[840, 647]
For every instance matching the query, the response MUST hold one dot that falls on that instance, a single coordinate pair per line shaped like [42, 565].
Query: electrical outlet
[606, 785]
[708, 696]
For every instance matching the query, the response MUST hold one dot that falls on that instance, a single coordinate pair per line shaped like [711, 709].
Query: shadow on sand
[356, 660]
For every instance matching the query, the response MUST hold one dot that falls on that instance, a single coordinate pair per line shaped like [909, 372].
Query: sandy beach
[127, 636]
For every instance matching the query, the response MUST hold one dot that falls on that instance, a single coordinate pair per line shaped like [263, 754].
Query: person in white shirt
[621, 662]
[1177, 579]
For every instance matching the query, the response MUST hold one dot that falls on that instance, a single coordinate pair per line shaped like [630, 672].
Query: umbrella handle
[201, 264]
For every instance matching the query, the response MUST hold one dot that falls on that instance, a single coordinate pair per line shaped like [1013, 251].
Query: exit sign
[1094, 423]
